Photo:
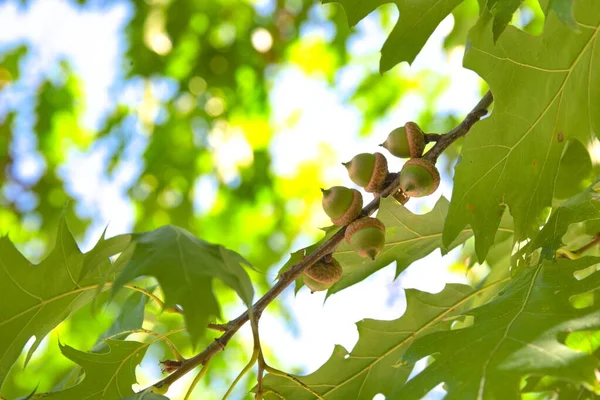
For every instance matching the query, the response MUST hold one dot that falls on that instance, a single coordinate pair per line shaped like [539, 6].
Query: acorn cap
[368, 170]
[342, 204]
[321, 275]
[366, 236]
[415, 139]
[419, 177]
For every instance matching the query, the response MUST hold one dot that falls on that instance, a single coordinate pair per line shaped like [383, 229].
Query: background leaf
[185, 267]
[416, 23]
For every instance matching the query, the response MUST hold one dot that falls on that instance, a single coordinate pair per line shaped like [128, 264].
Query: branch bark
[328, 247]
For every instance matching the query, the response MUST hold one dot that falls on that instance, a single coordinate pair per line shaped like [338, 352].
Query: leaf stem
[329, 246]
[196, 380]
[243, 372]
[574, 255]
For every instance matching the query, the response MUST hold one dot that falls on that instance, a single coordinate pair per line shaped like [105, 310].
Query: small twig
[165, 339]
[159, 302]
[432, 137]
[573, 255]
[461, 129]
[258, 350]
[196, 380]
[328, 247]
[218, 327]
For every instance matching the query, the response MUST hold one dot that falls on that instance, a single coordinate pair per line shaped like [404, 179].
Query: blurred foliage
[198, 136]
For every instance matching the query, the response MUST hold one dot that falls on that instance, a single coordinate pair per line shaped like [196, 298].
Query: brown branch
[480, 110]
[328, 247]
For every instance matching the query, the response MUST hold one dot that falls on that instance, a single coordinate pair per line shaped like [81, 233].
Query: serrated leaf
[131, 317]
[514, 335]
[373, 365]
[409, 237]
[185, 267]
[36, 298]
[544, 94]
[108, 375]
[584, 206]
[416, 23]
[503, 11]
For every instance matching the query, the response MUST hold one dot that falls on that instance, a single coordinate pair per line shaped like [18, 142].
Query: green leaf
[146, 395]
[584, 206]
[512, 157]
[575, 171]
[416, 23]
[130, 317]
[564, 12]
[409, 237]
[185, 267]
[372, 366]
[36, 298]
[503, 11]
[514, 335]
[108, 375]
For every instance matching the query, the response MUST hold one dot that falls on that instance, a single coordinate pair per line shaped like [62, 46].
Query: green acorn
[368, 170]
[342, 204]
[407, 141]
[419, 177]
[366, 236]
[322, 275]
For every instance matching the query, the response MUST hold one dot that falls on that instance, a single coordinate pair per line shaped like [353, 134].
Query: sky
[90, 40]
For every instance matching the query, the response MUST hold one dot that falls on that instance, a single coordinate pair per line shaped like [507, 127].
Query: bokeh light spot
[262, 40]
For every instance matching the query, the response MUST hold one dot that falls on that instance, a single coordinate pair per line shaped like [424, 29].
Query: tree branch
[480, 110]
[328, 247]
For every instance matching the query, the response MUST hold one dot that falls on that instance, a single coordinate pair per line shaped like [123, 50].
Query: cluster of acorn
[418, 177]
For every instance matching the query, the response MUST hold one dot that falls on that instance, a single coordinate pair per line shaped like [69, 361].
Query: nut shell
[366, 236]
[342, 204]
[321, 275]
[368, 170]
[419, 177]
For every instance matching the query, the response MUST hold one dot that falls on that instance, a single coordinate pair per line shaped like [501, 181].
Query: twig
[432, 137]
[218, 327]
[575, 254]
[480, 110]
[329, 246]
[158, 301]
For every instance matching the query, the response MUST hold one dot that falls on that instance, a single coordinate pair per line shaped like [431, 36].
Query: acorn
[407, 141]
[368, 170]
[322, 275]
[366, 236]
[419, 177]
[342, 204]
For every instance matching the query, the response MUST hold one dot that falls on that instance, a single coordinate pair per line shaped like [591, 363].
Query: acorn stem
[431, 137]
